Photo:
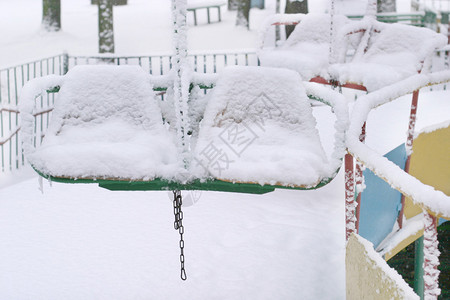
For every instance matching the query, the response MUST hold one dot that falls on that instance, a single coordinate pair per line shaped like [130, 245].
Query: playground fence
[13, 78]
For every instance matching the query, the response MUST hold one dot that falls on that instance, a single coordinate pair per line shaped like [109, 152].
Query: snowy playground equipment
[381, 55]
[254, 101]
[257, 120]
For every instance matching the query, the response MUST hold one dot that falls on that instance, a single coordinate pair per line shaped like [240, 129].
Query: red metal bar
[349, 196]
[359, 178]
[353, 86]
[320, 80]
[285, 23]
[409, 144]
[431, 257]
[4, 141]
[11, 110]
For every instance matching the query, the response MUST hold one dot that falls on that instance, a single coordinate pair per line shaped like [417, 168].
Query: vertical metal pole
[150, 65]
[349, 196]
[409, 145]
[418, 267]
[182, 74]
[430, 258]
[359, 178]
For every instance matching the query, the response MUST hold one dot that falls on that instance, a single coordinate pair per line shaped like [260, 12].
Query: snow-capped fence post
[65, 63]
[431, 258]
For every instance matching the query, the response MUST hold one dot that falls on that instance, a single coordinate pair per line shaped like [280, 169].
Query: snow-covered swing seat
[257, 133]
[367, 53]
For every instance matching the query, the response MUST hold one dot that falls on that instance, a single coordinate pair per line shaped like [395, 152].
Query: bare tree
[105, 26]
[232, 5]
[51, 15]
[243, 13]
[386, 6]
[295, 7]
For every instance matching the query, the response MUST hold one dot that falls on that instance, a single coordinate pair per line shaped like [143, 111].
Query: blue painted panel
[380, 204]
[257, 3]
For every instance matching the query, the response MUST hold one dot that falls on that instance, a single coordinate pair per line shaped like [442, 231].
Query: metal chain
[178, 225]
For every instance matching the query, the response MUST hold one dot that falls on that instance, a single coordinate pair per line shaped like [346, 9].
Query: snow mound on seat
[106, 124]
[258, 127]
[307, 49]
[393, 53]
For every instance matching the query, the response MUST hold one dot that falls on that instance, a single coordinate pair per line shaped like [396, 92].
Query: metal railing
[13, 78]
[161, 64]
[11, 81]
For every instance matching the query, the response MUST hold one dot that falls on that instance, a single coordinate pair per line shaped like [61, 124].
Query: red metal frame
[359, 178]
[349, 196]
[431, 257]
[353, 86]
[409, 144]
[285, 23]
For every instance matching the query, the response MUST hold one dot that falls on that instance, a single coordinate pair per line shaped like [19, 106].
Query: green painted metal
[418, 268]
[158, 184]
[416, 19]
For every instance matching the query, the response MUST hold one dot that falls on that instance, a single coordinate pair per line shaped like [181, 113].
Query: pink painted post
[359, 178]
[409, 145]
[431, 258]
[350, 219]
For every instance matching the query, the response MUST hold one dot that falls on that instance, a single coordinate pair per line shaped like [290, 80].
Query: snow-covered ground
[83, 242]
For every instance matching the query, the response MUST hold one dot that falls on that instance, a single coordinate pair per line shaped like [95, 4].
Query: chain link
[178, 225]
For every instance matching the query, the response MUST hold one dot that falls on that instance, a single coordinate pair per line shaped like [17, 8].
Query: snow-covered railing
[11, 81]
[13, 78]
[160, 64]
[434, 203]
[426, 196]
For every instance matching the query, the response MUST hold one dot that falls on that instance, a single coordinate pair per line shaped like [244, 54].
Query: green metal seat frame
[158, 184]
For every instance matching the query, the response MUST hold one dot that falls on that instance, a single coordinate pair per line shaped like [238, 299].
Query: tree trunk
[295, 7]
[232, 5]
[51, 15]
[105, 26]
[386, 6]
[243, 13]
[277, 28]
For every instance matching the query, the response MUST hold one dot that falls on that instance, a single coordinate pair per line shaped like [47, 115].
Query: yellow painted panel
[369, 277]
[430, 163]
[403, 244]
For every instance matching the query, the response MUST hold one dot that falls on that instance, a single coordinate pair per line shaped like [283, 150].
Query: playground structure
[416, 196]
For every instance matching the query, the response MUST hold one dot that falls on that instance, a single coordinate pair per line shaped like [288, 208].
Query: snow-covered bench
[106, 124]
[259, 123]
[257, 130]
[194, 5]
